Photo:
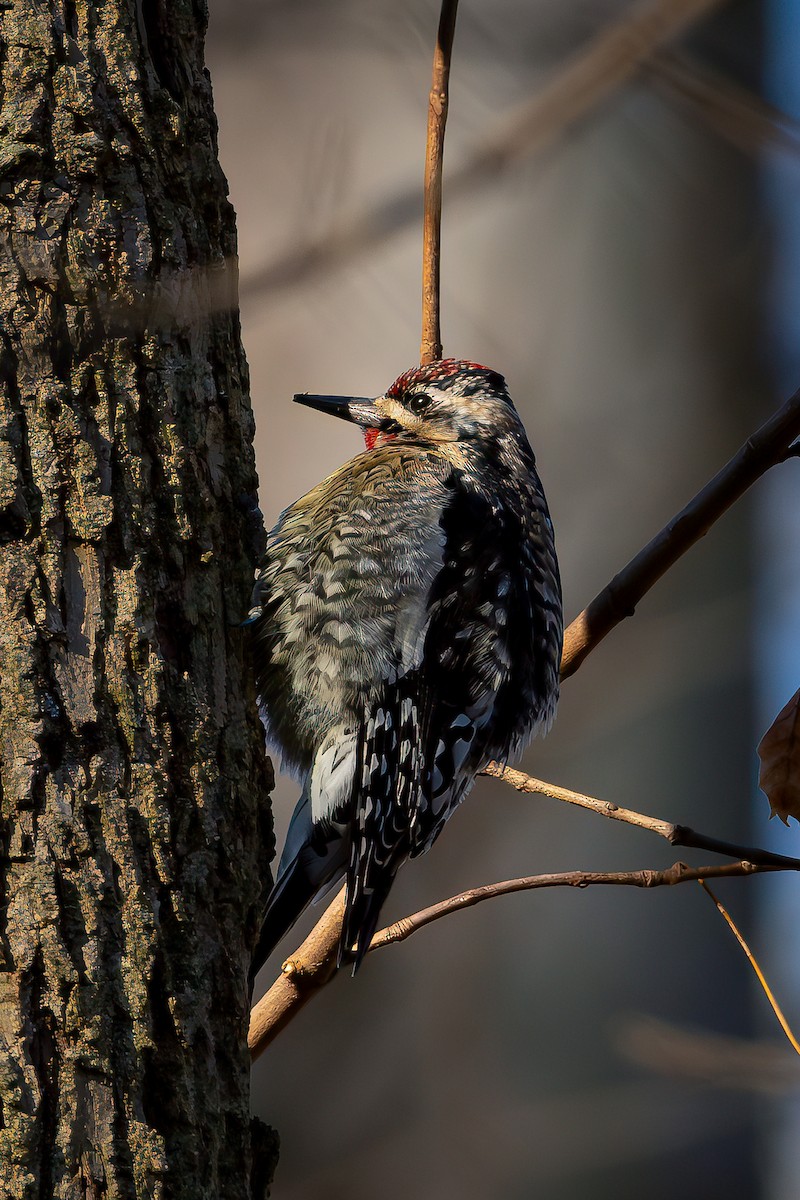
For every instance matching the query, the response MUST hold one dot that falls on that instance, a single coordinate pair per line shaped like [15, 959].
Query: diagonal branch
[751, 958]
[308, 970]
[768, 446]
[676, 835]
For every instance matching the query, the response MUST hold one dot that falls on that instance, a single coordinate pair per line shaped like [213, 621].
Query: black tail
[360, 922]
[314, 859]
[292, 894]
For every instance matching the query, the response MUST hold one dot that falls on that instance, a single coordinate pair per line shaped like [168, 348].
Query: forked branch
[311, 967]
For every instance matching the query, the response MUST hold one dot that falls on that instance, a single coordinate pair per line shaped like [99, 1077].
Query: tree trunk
[135, 821]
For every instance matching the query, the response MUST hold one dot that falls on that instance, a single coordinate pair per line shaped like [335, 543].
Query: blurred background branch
[730, 110]
[575, 90]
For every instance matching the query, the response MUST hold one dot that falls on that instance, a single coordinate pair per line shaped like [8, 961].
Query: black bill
[358, 409]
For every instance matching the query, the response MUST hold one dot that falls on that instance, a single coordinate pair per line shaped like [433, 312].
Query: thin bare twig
[776, 1008]
[310, 968]
[679, 872]
[572, 93]
[431, 346]
[767, 447]
[676, 835]
[312, 965]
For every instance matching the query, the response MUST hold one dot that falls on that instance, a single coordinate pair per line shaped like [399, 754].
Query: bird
[406, 630]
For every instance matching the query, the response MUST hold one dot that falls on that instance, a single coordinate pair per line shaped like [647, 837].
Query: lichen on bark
[135, 823]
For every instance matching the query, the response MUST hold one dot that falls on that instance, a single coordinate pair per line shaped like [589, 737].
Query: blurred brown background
[605, 1043]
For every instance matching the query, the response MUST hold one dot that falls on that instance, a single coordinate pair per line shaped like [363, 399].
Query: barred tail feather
[388, 797]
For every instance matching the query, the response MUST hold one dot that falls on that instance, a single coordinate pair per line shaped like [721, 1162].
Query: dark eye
[417, 402]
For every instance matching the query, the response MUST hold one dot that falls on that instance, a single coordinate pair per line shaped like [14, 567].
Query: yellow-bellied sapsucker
[407, 629]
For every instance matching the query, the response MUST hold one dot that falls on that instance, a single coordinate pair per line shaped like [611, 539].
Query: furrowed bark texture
[135, 821]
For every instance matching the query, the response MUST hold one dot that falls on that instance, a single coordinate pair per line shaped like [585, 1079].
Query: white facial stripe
[395, 411]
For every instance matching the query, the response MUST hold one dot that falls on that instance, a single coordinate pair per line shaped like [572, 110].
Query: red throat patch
[376, 437]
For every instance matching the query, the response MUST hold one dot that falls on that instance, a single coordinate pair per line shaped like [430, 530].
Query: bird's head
[450, 400]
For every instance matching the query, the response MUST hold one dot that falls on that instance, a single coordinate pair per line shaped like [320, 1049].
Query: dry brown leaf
[779, 751]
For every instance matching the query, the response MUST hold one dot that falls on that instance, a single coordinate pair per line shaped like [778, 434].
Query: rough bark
[135, 822]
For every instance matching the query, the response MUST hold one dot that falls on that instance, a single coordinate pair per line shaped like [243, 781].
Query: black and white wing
[479, 677]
